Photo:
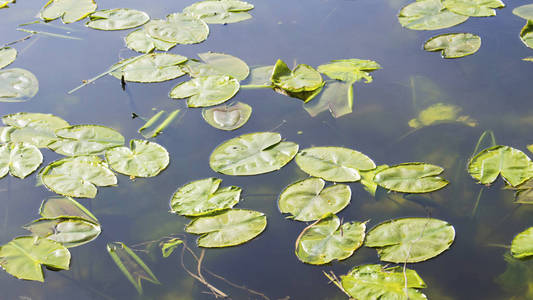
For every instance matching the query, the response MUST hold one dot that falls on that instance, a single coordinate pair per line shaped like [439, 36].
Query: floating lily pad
[228, 228]
[409, 240]
[117, 19]
[178, 28]
[228, 117]
[155, 67]
[77, 176]
[349, 70]
[24, 256]
[428, 15]
[220, 11]
[303, 79]
[169, 246]
[69, 10]
[473, 8]
[329, 240]
[206, 91]
[260, 77]
[17, 85]
[376, 282]
[33, 128]
[226, 64]
[411, 178]
[441, 113]
[7, 56]
[512, 164]
[337, 97]
[68, 232]
[334, 163]
[454, 45]
[19, 159]
[308, 200]
[522, 245]
[64, 208]
[367, 179]
[140, 41]
[526, 34]
[252, 154]
[203, 197]
[524, 11]
[85, 139]
[142, 159]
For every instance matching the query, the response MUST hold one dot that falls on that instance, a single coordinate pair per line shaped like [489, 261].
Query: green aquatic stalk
[166, 122]
[57, 35]
[474, 210]
[480, 140]
[151, 121]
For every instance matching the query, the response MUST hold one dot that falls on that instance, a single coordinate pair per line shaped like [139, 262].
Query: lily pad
[512, 164]
[260, 77]
[203, 197]
[19, 159]
[169, 246]
[308, 200]
[17, 85]
[206, 91]
[454, 45]
[428, 15]
[34, 128]
[303, 79]
[349, 70]
[376, 282]
[526, 34]
[228, 117]
[329, 240]
[524, 11]
[117, 19]
[226, 64]
[367, 179]
[337, 97]
[178, 28]
[85, 139]
[140, 41]
[24, 256]
[522, 245]
[77, 176]
[441, 113]
[220, 11]
[7, 56]
[68, 232]
[142, 159]
[473, 8]
[228, 228]
[334, 163]
[69, 10]
[410, 240]
[64, 208]
[252, 154]
[155, 67]
[411, 178]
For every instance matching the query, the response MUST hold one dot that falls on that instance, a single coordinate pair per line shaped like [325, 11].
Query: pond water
[492, 87]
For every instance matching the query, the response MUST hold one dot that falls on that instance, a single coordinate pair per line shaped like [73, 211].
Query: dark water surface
[493, 86]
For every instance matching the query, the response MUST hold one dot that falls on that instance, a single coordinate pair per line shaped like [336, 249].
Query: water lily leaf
[69, 10]
[473, 8]
[202, 197]
[367, 179]
[512, 164]
[85, 139]
[409, 240]
[131, 265]
[524, 11]
[376, 282]
[526, 34]
[411, 178]
[220, 11]
[428, 15]
[117, 19]
[252, 154]
[69, 232]
[349, 70]
[522, 245]
[34, 128]
[140, 41]
[228, 117]
[17, 85]
[260, 77]
[178, 28]
[77, 176]
[337, 97]
[5, 3]
[228, 228]
[308, 200]
[334, 163]
[19, 159]
[206, 91]
[517, 277]
[150, 130]
[155, 67]
[7, 56]
[23, 256]
[64, 208]
[226, 64]
[441, 113]
[454, 45]
[303, 79]
[142, 159]
[169, 246]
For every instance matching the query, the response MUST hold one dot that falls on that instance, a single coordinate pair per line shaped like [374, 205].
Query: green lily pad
[260, 77]
[252, 154]
[169, 246]
[33, 128]
[228, 117]
[454, 45]
[68, 232]
[7, 56]
[376, 282]
[409, 240]
[439, 113]
[140, 41]
[329, 240]
[206, 91]
[512, 164]
[142, 159]
[155, 67]
[69, 10]
[23, 257]
[337, 97]
[473, 8]
[64, 208]
[349, 70]
[334, 163]
[428, 15]
[220, 11]
[85, 139]
[228, 228]
[178, 28]
[117, 19]
[17, 85]
[411, 178]
[77, 176]
[303, 79]
[367, 179]
[526, 34]
[522, 245]
[524, 11]
[19, 159]
[202, 197]
[226, 64]
[308, 200]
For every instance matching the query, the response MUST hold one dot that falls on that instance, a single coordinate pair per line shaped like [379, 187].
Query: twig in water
[336, 281]
[17, 41]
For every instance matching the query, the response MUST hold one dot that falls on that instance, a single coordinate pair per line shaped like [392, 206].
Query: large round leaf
[68, 232]
[178, 28]
[77, 176]
[228, 228]
[473, 8]
[303, 79]
[226, 64]
[220, 11]
[142, 159]
[524, 11]
[308, 200]
[140, 41]
[206, 91]
[411, 178]
[428, 15]
[410, 240]
[522, 245]
[349, 70]
[252, 154]
[17, 85]
[19, 159]
[526, 34]
[7, 56]
[117, 19]
[328, 240]
[454, 45]
[203, 197]
[85, 140]
[64, 208]
[23, 257]
[334, 163]
[34, 128]
[155, 67]
[69, 10]
[227, 117]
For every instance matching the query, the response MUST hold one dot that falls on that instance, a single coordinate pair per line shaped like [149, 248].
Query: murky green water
[493, 86]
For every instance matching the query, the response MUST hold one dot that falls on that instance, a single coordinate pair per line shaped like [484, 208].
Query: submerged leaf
[524, 11]
[454, 45]
[85, 139]
[337, 97]
[169, 246]
[473, 8]
[441, 113]
[206, 91]
[228, 117]
[220, 11]
[303, 79]
[178, 28]
[155, 67]
[140, 41]
[117, 19]
[69, 10]
[428, 15]
[33, 128]
[17, 85]
[7, 56]
[142, 159]
[526, 34]
[349, 70]
[69, 232]
[411, 178]
[19, 159]
[65, 207]
[522, 245]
